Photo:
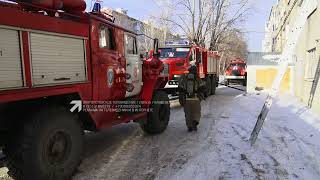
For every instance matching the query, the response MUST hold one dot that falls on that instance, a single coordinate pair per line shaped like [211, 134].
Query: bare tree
[231, 46]
[203, 21]
[226, 17]
[190, 18]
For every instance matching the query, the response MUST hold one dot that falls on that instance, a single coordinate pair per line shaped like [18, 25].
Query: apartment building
[146, 27]
[305, 60]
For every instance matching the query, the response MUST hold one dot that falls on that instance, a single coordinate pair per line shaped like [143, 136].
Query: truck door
[10, 60]
[133, 64]
[107, 62]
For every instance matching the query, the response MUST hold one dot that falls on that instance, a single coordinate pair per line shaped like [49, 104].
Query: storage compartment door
[10, 59]
[214, 65]
[209, 64]
[57, 60]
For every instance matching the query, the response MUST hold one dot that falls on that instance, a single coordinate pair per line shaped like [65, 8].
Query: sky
[254, 26]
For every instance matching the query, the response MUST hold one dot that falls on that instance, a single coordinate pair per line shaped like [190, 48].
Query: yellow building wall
[265, 78]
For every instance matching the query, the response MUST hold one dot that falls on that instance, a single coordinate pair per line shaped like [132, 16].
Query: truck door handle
[61, 79]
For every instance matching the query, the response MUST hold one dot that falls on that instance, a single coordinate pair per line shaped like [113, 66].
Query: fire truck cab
[52, 53]
[179, 56]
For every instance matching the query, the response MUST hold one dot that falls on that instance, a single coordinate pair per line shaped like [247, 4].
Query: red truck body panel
[238, 66]
[98, 62]
[180, 65]
[24, 21]
[236, 71]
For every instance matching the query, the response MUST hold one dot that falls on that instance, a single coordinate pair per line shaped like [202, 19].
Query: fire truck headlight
[176, 76]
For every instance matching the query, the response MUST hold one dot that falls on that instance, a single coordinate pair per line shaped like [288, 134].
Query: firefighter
[193, 87]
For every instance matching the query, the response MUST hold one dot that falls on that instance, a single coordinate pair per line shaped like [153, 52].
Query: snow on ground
[288, 146]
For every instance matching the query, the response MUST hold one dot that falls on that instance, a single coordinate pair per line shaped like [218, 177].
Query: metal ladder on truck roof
[286, 57]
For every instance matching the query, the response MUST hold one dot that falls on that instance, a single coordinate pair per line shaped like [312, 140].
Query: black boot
[195, 128]
[195, 125]
[190, 129]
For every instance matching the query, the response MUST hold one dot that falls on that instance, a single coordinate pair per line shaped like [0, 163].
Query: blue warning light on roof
[177, 43]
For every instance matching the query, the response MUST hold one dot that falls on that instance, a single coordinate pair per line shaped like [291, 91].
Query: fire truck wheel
[209, 87]
[227, 82]
[214, 86]
[158, 120]
[49, 146]
[244, 83]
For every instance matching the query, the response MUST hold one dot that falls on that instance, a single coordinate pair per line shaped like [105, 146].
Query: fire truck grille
[236, 73]
[179, 64]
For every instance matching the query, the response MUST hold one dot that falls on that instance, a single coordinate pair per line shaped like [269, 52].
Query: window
[238, 64]
[312, 62]
[199, 57]
[106, 39]
[131, 44]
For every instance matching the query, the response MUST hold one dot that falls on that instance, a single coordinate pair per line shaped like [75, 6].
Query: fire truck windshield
[174, 52]
[239, 64]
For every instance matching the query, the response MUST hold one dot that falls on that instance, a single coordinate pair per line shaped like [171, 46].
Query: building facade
[147, 28]
[305, 60]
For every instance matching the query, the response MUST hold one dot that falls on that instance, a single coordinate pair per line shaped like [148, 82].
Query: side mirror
[190, 58]
[156, 47]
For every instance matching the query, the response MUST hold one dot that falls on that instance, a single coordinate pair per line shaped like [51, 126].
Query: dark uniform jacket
[192, 86]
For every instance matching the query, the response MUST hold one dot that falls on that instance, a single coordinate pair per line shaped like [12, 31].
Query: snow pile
[288, 146]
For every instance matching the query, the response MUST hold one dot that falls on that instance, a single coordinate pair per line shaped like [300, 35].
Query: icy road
[288, 146]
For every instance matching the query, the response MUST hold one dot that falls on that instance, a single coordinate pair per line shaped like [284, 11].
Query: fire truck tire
[158, 120]
[49, 146]
[217, 80]
[214, 86]
[208, 86]
[244, 83]
[227, 82]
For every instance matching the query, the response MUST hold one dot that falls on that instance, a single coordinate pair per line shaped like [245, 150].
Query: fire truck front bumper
[172, 84]
[235, 77]
[171, 87]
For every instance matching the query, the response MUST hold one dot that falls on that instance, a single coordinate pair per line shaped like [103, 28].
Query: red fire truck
[52, 53]
[236, 72]
[177, 58]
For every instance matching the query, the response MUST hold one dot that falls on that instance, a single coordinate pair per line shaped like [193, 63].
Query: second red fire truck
[178, 56]
[236, 72]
